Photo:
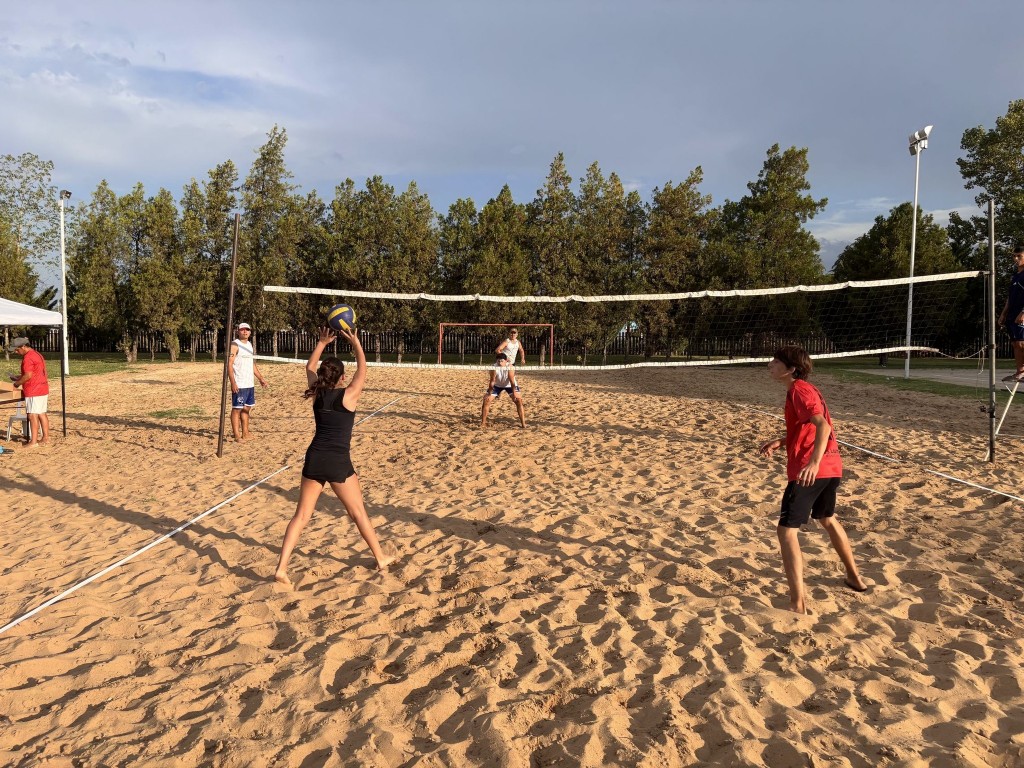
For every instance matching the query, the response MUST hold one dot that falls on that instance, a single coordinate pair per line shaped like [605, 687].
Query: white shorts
[36, 404]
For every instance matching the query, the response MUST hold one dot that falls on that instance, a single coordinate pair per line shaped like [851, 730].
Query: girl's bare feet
[282, 578]
[856, 584]
[385, 561]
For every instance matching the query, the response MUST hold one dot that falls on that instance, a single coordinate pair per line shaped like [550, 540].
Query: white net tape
[622, 297]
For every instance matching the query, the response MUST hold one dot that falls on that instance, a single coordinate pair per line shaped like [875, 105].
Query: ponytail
[330, 371]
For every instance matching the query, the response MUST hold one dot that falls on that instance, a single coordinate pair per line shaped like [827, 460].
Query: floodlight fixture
[919, 139]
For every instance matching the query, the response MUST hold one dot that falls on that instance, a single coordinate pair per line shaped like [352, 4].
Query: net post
[440, 341]
[228, 337]
[992, 428]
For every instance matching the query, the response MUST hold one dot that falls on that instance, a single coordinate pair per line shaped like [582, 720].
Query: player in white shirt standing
[512, 347]
[243, 372]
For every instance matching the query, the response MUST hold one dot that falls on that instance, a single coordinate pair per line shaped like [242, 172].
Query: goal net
[696, 328]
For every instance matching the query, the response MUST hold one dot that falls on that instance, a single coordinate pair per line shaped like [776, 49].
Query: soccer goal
[445, 344]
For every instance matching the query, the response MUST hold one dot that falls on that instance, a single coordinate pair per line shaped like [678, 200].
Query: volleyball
[341, 317]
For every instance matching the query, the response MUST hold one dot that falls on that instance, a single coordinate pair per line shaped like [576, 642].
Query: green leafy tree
[500, 266]
[503, 265]
[993, 165]
[101, 265]
[415, 264]
[197, 275]
[766, 228]
[968, 241]
[884, 250]
[762, 242]
[375, 253]
[28, 203]
[552, 237]
[312, 240]
[881, 253]
[457, 251]
[676, 258]
[269, 238]
[28, 226]
[335, 266]
[457, 247]
[607, 259]
[158, 284]
[17, 278]
[207, 237]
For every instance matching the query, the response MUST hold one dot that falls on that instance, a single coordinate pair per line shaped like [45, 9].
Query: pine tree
[269, 239]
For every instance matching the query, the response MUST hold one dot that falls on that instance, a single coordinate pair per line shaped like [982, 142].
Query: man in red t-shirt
[36, 389]
[813, 468]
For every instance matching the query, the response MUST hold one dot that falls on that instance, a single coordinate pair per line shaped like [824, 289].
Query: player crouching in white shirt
[502, 379]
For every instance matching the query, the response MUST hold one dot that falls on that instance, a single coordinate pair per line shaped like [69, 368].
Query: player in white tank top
[512, 347]
[243, 373]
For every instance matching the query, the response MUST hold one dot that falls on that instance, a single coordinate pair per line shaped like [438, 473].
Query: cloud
[464, 97]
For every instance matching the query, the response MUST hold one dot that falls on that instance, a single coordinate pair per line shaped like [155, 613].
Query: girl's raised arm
[355, 387]
[327, 335]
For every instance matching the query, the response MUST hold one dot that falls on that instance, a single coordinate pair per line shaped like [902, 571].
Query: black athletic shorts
[327, 466]
[800, 503]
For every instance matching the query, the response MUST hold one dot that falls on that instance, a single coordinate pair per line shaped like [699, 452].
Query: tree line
[140, 262]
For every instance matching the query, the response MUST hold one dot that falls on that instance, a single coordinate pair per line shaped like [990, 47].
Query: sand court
[602, 588]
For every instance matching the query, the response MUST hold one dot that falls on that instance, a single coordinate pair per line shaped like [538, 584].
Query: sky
[465, 96]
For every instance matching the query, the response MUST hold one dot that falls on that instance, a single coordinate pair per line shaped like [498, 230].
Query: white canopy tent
[13, 313]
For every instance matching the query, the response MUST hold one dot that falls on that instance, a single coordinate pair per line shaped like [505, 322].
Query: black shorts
[327, 466]
[800, 503]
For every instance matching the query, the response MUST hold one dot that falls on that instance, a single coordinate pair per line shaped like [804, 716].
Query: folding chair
[19, 415]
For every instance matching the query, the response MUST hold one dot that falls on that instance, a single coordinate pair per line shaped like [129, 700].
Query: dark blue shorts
[244, 398]
[496, 391]
[1016, 331]
[800, 503]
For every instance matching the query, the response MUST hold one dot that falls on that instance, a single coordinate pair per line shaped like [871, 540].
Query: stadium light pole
[918, 143]
[64, 195]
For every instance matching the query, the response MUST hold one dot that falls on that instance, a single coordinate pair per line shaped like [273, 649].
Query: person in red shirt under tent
[813, 468]
[36, 388]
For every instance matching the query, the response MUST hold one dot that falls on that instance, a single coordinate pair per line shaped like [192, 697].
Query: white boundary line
[163, 538]
[124, 560]
[898, 461]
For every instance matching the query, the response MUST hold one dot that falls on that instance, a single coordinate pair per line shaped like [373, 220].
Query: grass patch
[191, 412]
[95, 363]
[896, 381]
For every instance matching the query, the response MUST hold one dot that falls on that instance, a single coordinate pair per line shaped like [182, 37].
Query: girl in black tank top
[327, 457]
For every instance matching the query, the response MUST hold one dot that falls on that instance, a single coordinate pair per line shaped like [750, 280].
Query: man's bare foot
[798, 608]
[282, 579]
[857, 584]
[31, 444]
[385, 561]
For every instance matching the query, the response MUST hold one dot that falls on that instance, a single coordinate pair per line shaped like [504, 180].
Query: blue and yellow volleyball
[341, 317]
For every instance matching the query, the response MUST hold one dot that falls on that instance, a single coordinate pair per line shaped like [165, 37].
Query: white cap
[244, 325]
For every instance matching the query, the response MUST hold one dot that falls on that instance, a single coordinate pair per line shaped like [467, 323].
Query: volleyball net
[699, 328]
